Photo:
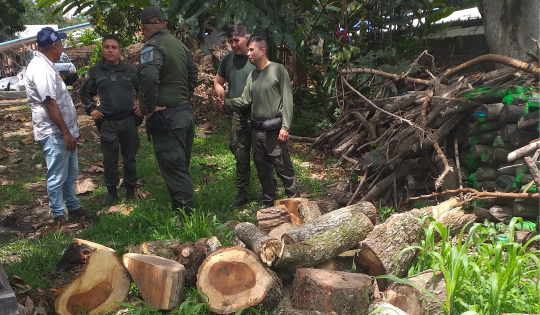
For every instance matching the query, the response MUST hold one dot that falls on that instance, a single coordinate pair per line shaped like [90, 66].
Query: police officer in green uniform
[268, 91]
[168, 76]
[234, 69]
[114, 80]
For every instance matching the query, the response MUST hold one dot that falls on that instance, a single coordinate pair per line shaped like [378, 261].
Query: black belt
[266, 125]
[118, 116]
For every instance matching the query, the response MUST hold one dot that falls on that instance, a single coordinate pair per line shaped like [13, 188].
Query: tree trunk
[308, 211]
[234, 278]
[331, 291]
[160, 280]
[264, 246]
[270, 218]
[414, 301]
[160, 248]
[324, 238]
[485, 173]
[191, 255]
[507, 34]
[335, 220]
[89, 277]
[491, 112]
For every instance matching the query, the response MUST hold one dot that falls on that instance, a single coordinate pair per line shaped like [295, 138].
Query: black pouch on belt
[272, 124]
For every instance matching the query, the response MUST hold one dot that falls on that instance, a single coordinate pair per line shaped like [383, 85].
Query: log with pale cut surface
[160, 280]
[191, 255]
[308, 211]
[264, 246]
[324, 238]
[291, 204]
[89, 277]
[270, 218]
[278, 232]
[331, 291]
[417, 302]
[160, 248]
[234, 278]
[512, 113]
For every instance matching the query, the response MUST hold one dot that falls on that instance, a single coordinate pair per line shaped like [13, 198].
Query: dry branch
[511, 62]
[392, 76]
[521, 152]
[475, 194]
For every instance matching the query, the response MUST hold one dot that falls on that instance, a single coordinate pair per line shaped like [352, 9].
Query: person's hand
[220, 97]
[137, 111]
[221, 102]
[158, 108]
[283, 135]
[71, 143]
[96, 115]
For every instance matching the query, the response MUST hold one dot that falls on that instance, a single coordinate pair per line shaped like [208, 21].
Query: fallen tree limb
[392, 76]
[534, 170]
[475, 194]
[521, 152]
[507, 61]
[302, 139]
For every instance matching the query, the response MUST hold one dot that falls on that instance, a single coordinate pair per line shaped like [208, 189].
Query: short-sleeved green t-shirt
[235, 69]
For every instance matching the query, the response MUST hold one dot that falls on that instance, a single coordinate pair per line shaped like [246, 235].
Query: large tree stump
[331, 291]
[308, 211]
[324, 238]
[160, 248]
[191, 255]
[89, 277]
[265, 247]
[414, 301]
[270, 218]
[160, 280]
[234, 278]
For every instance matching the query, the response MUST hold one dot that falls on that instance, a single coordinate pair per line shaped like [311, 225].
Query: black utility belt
[266, 125]
[162, 120]
[118, 116]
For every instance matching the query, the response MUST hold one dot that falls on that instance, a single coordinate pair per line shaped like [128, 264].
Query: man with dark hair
[234, 69]
[114, 80]
[268, 91]
[168, 76]
[54, 120]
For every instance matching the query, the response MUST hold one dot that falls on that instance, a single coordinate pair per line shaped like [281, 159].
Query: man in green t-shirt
[268, 91]
[234, 69]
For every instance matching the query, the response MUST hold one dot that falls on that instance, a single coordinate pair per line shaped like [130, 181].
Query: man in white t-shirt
[55, 126]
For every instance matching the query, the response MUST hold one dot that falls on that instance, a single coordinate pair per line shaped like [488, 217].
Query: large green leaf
[439, 14]
[198, 7]
[176, 6]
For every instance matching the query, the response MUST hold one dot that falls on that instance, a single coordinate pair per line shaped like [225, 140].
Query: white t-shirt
[42, 80]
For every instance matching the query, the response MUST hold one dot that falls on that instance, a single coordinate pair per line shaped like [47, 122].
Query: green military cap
[150, 12]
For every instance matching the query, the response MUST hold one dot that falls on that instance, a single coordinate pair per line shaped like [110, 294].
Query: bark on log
[355, 138]
[334, 220]
[331, 291]
[529, 120]
[308, 211]
[490, 112]
[512, 113]
[160, 248]
[526, 209]
[89, 277]
[270, 218]
[500, 154]
[397, 175]
[302, 139]
[523, 151]
[264, 246]
[160, 280]
[327, 205]
[414, 301]
[234, 278]
[483, 214]
[285, 307]
[500, 143]
[486, 173]
[392, 76]
[507, 131]
[507, 182]
[483, 153]
[381, 247]
[511, 62]
[479, 127]
[481, 138]
[522, 237]
[401, 103]
[531, 164]
[191, 255]
[503, 214]
[278, 232]
[521, 167]
[506, 171]
[345, 229]
[520, 138]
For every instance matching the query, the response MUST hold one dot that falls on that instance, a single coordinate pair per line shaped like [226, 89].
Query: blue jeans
[63, 169]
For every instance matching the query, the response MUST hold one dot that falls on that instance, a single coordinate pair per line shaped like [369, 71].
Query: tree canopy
[11, 18]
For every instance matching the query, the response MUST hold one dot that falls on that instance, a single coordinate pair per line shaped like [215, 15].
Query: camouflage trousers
[240, 146]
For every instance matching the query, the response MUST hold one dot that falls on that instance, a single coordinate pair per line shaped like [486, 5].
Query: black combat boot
[130, 192]
[241, 198]
[112, 194]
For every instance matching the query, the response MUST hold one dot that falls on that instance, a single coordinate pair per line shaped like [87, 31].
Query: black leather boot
[241, 198]
[112, 194]
[130, 192]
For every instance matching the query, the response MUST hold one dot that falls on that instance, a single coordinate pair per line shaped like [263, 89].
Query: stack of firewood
[298, 260]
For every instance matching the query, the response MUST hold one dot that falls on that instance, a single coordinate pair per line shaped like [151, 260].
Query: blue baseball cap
[47, 36]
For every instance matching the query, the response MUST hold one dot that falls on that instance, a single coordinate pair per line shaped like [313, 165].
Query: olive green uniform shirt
[235, 69]
[167, 72]
[115, 87]
[269, 93]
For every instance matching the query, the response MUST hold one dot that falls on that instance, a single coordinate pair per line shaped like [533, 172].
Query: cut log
[191, 255]
[506, 171]
[382, 307]
[481, 138]
[503, 214]
[483, 214]
[529, 120]
[308, 211]
[512, 113]
[160, 248]
[520, 138]
[521, 152]
[334, 220]
[270, 218]
[331, 291]
[527, 209]
[507, 131]
[278, 232]
[291, 204]
[525, 179]
[89, 277]
[381, 247]
[500, 154]
[234, 278]
[507, 182]
[500, 143]
[489, 112]
[285, 306]
[324, 238]
[483, 153]
[486, 173]
[160, 280]
[327, 205]
[417, 302]
[479, 127]
[264, 246]
[328, 265]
